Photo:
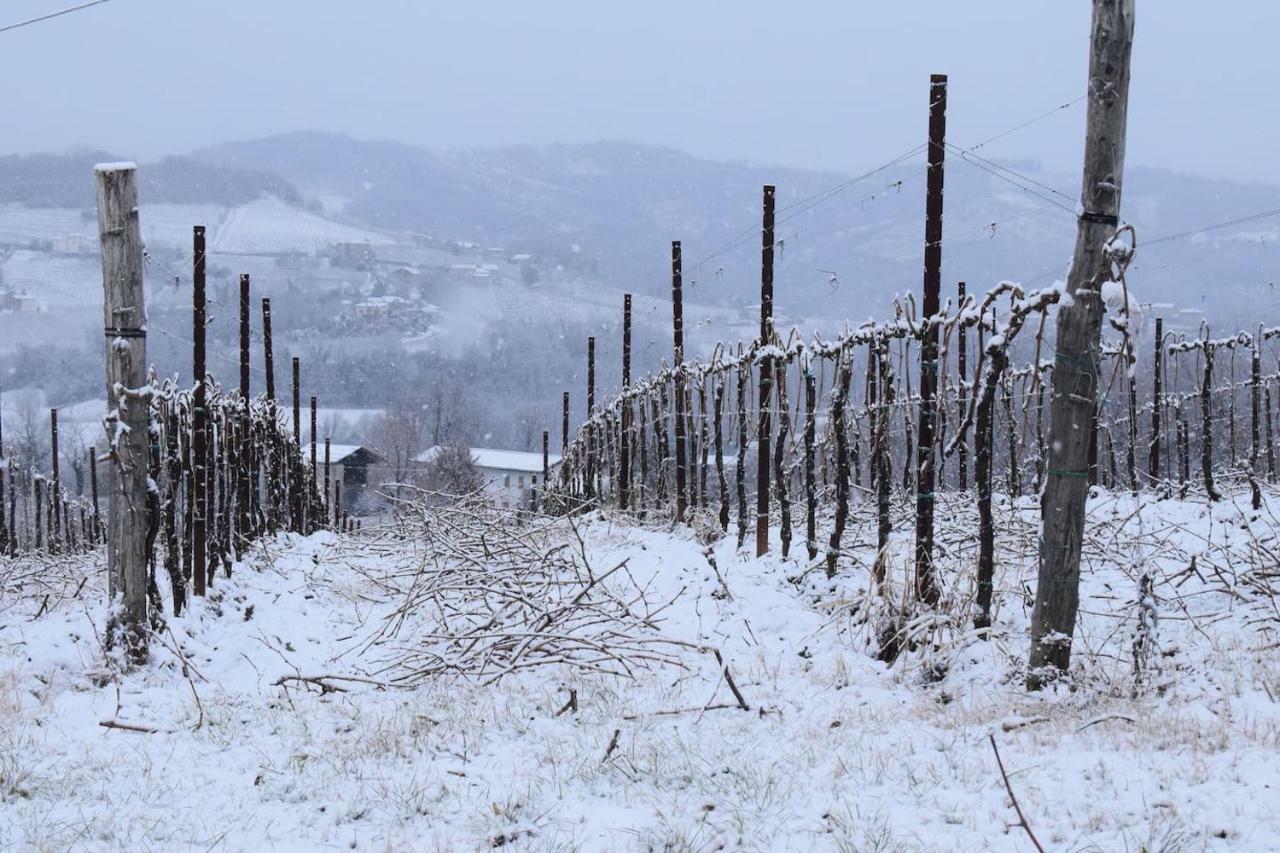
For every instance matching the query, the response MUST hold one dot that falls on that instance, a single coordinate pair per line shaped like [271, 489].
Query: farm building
[349, 465]
[509, 476]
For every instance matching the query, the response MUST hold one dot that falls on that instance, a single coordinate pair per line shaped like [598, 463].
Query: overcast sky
[839, 84]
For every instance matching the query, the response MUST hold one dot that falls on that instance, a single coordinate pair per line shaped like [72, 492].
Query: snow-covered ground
[838, 751]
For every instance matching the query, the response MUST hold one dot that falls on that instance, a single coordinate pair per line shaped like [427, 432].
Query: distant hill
[847, 246]
[64, 180]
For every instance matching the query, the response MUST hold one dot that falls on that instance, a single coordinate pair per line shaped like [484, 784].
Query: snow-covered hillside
[399, 689]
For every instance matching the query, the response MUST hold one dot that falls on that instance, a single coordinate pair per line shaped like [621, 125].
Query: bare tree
[451, 470]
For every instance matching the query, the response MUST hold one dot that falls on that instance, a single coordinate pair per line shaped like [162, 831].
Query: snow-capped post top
[118, 166]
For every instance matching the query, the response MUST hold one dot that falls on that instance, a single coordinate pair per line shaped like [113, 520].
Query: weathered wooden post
[565, 427]
[268, 358]
[546, 467]
[764, 427]
[93, 492]
[1255, 402]
[244, 518]
[962, 367]
[199, 420]
[312, 522]
[1074, 401]
[325, 497]
[624, 435]
[677, 376]
[590, 485]
[294, 467]
[810, 483]
[55, 486]
[128, 405]
[926, 584]
[1157, 401]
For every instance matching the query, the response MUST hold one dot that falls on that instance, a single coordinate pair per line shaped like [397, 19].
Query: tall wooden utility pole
[624, 434]
[1075, 375]
[764, 431]
[677, 334]
[199, 419]
[926, 582]
[125, 323]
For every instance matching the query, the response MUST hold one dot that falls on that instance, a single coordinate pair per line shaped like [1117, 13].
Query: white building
[509, 476]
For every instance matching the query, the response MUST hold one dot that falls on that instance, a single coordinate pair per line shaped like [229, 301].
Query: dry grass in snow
[406, 689]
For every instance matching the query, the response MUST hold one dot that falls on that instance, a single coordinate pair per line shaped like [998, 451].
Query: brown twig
[613, 744]
[128, 727]
[737, 694]
[1022, 820]
[571, 705]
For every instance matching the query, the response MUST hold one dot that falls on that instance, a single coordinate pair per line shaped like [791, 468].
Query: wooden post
[297, 404]
[294, 466]
[546, 466]
[199, 419]
[268, 358]
[962, 366]
[721, 482]
[590, 485]
[1074, 402]
[677, 333]
[311, 484]
[37, 484]
[55, 487]
[624, 434]
[926, 584]
[93, 492]
[565, 427]
[125, 324]
[244, 518]
[1157, 402]
[1255, 400]
[810, 482]
[764, 427]
[740, 469]
[325, 496]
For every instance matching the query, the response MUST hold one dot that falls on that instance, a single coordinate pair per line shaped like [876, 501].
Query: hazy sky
[839, 85]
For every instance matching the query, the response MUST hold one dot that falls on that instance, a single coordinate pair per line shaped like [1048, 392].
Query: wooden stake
[624, 434]
[963, 368]
[678, 378]
[199, 420]
[764, 427]
[1157, 401]
[55, 488]
[926, 584]
[125, 322]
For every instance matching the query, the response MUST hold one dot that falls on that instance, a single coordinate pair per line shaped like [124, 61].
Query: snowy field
[405, 688]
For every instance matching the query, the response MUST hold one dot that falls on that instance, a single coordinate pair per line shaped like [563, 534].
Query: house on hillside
[349, 465]
[509, 476]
